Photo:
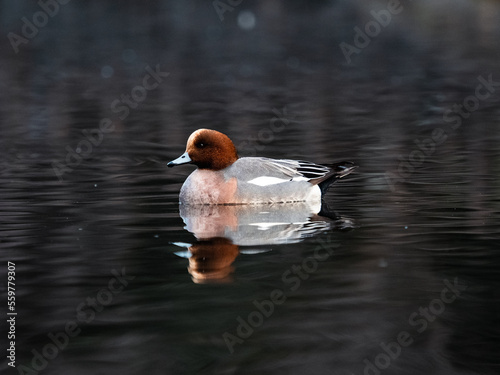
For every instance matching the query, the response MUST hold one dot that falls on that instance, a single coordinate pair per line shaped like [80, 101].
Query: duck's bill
[183, 159]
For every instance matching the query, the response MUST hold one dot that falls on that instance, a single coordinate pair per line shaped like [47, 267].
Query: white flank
[266, 181]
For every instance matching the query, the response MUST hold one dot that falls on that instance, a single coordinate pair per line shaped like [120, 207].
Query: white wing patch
[300, 178]
[266, 181]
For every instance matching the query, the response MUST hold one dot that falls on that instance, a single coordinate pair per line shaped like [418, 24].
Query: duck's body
[223, 178]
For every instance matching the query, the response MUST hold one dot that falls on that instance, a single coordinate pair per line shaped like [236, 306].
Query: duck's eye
[200, 145]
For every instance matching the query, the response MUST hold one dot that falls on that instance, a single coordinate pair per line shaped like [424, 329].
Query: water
[400, 277]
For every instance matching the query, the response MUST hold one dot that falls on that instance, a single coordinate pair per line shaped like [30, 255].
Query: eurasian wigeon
[224, 178]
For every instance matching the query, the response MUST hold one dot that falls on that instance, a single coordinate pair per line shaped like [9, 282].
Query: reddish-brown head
[208, 149]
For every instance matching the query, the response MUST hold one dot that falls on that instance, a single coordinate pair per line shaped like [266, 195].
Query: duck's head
[208, 149]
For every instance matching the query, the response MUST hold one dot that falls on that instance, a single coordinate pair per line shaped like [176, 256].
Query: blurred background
[409, 91]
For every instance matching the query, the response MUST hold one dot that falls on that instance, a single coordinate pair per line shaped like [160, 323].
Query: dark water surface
[400, 278]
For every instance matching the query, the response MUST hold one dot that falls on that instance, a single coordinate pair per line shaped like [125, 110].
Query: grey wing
[249, 168]
[254, 167]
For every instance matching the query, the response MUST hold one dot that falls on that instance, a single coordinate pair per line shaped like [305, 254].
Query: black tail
[338, 170]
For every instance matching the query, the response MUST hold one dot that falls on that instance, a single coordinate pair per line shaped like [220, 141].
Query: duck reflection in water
[225, 231]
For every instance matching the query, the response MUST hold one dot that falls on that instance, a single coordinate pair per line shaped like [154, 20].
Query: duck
[224, 178]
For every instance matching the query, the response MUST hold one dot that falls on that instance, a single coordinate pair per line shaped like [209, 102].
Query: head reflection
[211, 260]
